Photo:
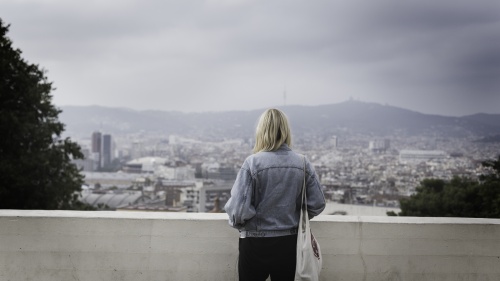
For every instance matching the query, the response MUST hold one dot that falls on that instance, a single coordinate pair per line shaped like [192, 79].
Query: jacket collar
[284, 146]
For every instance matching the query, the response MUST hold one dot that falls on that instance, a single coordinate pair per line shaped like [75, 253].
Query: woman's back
[265, 202]
[265, 198]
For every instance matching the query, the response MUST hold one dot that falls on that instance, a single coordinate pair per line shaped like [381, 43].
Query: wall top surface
[223, 216]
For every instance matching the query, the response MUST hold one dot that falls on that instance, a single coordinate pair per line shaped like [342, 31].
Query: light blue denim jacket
[266, 196]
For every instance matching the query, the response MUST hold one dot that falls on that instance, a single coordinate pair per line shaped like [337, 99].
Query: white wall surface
[66, 245]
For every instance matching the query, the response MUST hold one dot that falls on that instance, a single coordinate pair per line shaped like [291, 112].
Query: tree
[493, 170]
[460, 197]
[35, 162]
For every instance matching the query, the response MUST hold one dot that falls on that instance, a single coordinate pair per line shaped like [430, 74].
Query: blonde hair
[272, 131]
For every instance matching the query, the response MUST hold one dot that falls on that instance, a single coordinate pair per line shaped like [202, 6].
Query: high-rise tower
[97, 146]
[106, 151]
[284, 97]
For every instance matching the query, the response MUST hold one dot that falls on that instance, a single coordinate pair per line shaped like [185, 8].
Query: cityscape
[176, 173]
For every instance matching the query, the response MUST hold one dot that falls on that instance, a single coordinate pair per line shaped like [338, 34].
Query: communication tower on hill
[284, 97]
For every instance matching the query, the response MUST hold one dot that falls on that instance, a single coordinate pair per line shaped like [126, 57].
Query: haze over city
[194, 56]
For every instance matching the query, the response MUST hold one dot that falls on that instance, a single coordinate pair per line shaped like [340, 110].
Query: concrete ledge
[69, 245]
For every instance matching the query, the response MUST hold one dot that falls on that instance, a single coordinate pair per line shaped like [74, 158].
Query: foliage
[103, 207]
[493, 170]
[35, 163]
[391, 214]
[76, 204]
[460, 197]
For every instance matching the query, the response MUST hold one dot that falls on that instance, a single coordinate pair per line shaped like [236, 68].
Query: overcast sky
[432, 56]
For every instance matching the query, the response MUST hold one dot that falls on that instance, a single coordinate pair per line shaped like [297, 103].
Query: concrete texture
[67, 245]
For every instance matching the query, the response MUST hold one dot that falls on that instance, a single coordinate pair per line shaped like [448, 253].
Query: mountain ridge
[354, 117]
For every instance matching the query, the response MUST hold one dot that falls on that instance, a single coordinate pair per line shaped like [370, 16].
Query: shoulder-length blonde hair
[272, 131]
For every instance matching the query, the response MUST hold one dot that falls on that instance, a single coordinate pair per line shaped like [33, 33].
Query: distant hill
[494, 138]
[484, 119]
[350, 117]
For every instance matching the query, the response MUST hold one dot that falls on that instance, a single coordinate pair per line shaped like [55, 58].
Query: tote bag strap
[304, 198]
[309, 260]
[303, 204]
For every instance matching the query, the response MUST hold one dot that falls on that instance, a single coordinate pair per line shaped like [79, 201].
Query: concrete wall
[65, 245]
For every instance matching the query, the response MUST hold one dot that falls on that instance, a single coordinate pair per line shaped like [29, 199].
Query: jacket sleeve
[239, 206]
[315, 197]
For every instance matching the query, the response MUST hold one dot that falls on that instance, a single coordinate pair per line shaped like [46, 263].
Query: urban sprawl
[179, 174]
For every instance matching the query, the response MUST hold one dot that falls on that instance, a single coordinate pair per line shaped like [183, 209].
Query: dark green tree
[460, 197]
[493, 170]
[35, 162]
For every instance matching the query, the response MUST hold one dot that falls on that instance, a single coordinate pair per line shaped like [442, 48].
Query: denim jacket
[266, 196]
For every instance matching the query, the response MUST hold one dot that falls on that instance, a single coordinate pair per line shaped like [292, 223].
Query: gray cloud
[436, 57]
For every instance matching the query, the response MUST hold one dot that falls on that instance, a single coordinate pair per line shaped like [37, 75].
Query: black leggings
[261, 257]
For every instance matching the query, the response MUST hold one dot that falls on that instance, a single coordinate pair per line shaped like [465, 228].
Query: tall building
[334, 142]
[106, 151]
[97, 146]
[137, 151]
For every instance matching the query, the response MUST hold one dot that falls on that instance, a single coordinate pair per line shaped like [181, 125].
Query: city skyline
[197, 56]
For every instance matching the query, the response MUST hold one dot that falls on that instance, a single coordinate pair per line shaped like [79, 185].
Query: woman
[265, 202]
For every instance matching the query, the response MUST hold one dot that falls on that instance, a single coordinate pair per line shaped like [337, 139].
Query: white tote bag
[309, 260]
